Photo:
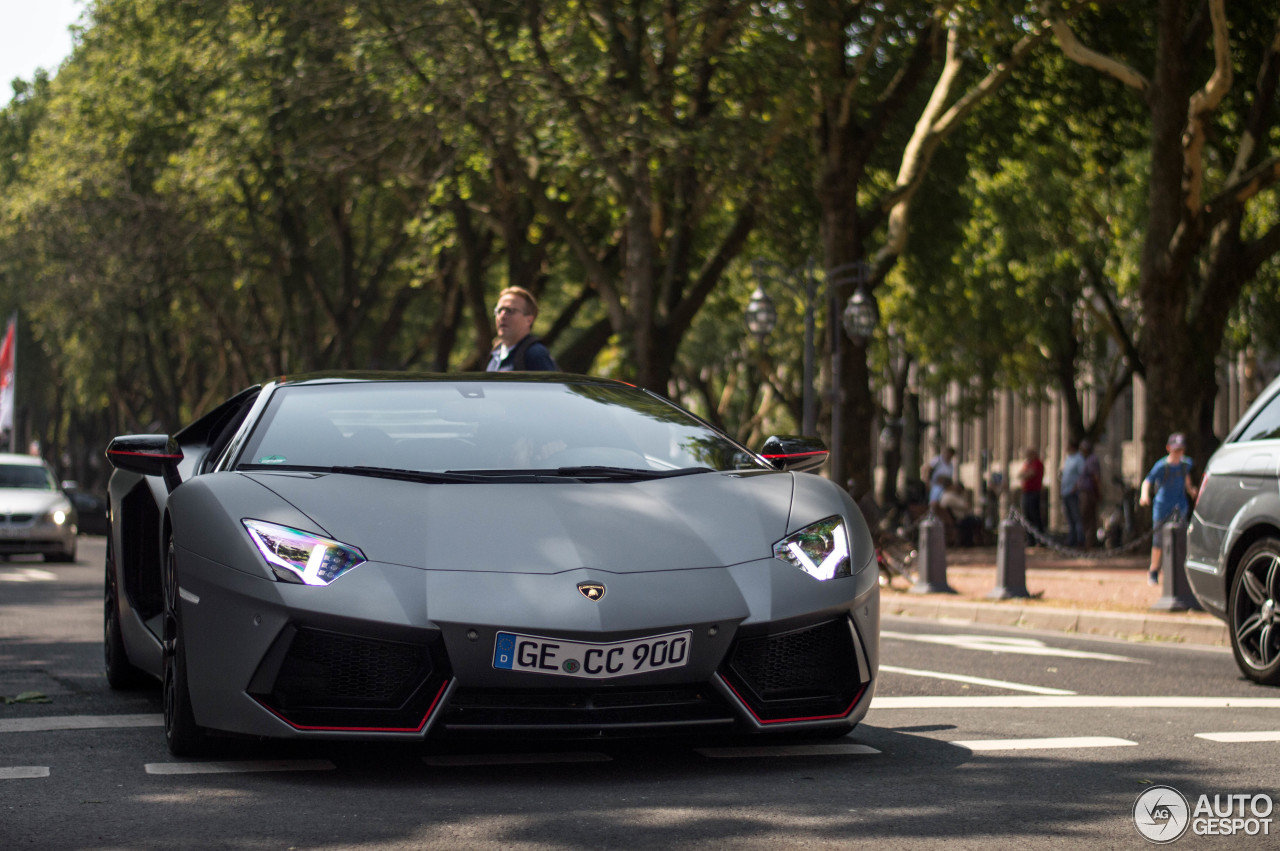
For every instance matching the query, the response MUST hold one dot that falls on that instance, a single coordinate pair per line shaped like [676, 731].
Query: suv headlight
[302, 557]
[820, 549]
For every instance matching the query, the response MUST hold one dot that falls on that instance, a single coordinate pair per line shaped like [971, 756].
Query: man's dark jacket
[530, 354]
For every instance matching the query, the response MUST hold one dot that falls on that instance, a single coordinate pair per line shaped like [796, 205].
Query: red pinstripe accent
[417, 729]
[147, 455]
[799, 454]
[843, 714]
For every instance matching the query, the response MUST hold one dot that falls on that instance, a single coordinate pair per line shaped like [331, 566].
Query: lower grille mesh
[325, 667]
[807, 673]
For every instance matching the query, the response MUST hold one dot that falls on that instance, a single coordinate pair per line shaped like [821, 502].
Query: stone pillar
[1011, 562]
[1175, 589]
[932, 578]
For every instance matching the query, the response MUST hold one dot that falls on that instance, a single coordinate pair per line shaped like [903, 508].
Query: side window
[1266, 425]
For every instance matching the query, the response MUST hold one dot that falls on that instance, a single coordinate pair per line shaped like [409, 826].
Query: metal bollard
[1175, 589]
[932, 578]
[1011, 562]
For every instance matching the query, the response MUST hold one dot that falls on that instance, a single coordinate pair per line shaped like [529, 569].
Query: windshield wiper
[589, 473]
[423, 476]
[626, 474]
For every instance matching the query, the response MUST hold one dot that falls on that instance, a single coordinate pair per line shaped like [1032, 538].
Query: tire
[121, 674]
[184, 736]
[61, 558]
[1252, 612]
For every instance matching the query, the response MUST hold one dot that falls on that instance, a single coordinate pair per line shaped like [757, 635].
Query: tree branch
[1078, 53]
[1203, 104]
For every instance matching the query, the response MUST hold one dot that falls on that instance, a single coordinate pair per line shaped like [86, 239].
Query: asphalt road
[991, 738]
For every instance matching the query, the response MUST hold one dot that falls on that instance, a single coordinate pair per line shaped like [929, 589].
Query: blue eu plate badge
[504, 651]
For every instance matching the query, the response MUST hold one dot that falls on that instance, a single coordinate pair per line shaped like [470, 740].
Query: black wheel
[1252, 614]
[61, 558]
[121, 674]
[184, 736]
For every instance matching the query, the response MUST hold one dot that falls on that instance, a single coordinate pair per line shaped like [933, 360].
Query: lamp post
[859, 318]
[762, 318]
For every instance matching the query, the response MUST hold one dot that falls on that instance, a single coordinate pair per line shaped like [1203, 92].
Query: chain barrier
[1077, 552]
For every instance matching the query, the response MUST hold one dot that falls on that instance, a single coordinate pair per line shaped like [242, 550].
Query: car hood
[680, 523]
[29, 500]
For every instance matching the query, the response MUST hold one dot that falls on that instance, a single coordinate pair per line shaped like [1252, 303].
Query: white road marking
[456, 760]
[1247, 736]
[24, 772]
[1008, 644]
[78, 722]
[1073, 702]
[240, 767]
[1044, 744]
[833, 749]
[977, 681]
[27, 574]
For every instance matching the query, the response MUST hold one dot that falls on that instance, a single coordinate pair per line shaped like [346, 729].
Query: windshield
[483, 426]
[26, 476]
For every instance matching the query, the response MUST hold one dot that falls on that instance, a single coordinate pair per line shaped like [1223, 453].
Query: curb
[1133, 626]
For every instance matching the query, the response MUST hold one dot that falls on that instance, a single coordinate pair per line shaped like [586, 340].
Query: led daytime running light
[820, 550]
[298, 556]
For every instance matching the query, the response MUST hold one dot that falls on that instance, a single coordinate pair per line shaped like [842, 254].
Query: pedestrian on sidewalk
[1089, 486]
[1031, 478]
[1069, 481]
[1170, 479]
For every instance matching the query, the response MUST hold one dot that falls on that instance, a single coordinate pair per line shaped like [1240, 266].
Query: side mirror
[147, 455]
[795, 453]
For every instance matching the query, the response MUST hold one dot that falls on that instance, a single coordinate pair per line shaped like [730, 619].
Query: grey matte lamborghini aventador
[388, 556]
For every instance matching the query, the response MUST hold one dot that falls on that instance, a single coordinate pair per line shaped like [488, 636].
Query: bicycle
[895, 557]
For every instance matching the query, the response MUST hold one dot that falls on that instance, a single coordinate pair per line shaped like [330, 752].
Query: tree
[1213, 153]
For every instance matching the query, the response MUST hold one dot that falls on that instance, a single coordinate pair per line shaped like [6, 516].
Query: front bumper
[27, 535]
[390, 651]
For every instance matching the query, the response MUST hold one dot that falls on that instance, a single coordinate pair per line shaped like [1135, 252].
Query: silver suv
[1233, 541]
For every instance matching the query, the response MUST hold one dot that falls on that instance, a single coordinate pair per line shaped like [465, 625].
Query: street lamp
[761, 316]
[859, 317]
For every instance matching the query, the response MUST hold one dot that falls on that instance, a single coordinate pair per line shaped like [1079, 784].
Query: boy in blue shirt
[1171, 480]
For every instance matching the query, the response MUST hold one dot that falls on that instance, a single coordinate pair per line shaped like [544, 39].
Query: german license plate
[588, 660]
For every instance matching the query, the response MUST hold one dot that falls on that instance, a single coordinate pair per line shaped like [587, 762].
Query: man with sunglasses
[518, 350]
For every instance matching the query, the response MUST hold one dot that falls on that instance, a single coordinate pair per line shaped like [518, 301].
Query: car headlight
[820, 549]
[297, 556]
[57, 516]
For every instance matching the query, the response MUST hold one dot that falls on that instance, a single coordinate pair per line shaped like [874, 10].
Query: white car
[35, 515]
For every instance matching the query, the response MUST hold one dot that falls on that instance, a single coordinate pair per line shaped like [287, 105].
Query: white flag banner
[6, 377]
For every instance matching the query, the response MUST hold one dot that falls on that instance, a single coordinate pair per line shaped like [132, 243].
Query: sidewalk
[1088, 596]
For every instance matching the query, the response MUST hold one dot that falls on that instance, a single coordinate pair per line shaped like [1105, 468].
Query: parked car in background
[91, 509]
[388, 556]
[35, 515]
[1233, 540]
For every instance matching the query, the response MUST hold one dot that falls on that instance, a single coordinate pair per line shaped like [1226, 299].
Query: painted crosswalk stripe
[463, 760]
[239, 767]
[1044, 744]
[78, 722]
[1073, 701]
[1245, 736]
[1007, 644]
[977, 681]
[833, 749]
[24, 772]
[29, 574]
